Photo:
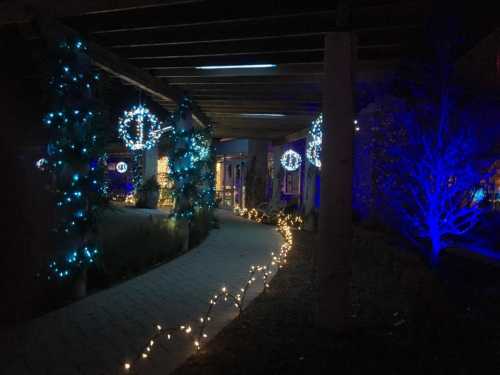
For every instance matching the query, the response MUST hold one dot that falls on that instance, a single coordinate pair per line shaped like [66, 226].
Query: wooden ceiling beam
[223, 13]
[188, 53]
[366, 35]
[116, 66]
[21, 11]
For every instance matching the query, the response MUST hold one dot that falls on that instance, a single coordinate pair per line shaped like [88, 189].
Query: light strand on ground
[260, 216]
[277, 260]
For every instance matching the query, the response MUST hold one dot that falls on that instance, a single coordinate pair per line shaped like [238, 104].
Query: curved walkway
[96, 335]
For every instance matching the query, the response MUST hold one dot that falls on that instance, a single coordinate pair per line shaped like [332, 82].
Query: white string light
[315, 139]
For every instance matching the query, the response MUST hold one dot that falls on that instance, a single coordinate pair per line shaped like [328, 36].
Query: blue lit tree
[75, 158]
[425, 158]
[433, 175]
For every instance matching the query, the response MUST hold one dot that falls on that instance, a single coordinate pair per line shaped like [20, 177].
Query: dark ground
[407, 319]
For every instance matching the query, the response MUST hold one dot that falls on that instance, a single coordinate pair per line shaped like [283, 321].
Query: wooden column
[309, 211]
[257, 173]
[150, 163]
[334, 252]
[277, 176]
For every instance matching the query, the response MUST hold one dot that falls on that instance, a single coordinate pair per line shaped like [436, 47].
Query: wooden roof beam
[116, 66]
[21, 11]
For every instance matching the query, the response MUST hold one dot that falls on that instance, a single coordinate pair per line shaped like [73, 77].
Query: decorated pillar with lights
[191, 165]
[75, 158]
[312, 171]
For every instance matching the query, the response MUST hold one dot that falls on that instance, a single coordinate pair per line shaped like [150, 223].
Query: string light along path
[97, 334]
[196, 331]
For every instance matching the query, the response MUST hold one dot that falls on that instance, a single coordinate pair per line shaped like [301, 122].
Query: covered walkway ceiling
[176, 40]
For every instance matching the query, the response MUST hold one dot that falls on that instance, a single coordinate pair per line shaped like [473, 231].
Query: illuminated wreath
[139, 129]
[121, 167]
[291, 160]
[315, 138]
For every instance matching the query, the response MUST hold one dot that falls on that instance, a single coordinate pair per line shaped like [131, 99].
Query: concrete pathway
[96, 335]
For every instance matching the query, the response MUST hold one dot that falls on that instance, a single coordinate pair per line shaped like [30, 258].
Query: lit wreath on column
[291, 160]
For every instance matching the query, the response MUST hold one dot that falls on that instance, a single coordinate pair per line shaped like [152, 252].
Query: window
[292, 183]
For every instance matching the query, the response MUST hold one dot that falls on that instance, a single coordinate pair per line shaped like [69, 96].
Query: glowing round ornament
[315, 138]
[121, 167]
[291, 160]
[140, 129]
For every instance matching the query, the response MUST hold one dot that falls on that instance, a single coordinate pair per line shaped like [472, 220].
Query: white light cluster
[291, 160]
[140, 129]
[315, 138]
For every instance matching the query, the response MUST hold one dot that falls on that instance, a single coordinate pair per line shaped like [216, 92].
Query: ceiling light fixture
[262, 115]
[251, 66]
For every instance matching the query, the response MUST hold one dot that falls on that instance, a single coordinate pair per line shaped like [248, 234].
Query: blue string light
[75, 158]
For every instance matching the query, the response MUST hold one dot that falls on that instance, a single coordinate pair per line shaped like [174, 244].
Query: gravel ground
[406, 319]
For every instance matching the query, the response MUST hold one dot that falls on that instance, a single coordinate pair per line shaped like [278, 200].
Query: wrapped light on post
[315, 138]
[140, 129]
[291, 160]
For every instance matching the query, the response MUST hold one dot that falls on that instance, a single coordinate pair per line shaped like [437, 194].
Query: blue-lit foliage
[191, 167]
[431, 173]
[381, 132]
[75, 158]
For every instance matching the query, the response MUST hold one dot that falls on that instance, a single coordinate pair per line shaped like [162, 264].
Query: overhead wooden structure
[171, 40]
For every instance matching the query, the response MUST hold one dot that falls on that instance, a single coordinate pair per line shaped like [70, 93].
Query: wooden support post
[257, 173]
[310, 213]
[334, 252]
[277, 177]
[150, 163]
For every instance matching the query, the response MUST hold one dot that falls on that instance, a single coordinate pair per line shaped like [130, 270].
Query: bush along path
[196, 331]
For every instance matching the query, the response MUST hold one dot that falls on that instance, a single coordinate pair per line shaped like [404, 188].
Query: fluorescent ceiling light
[262, 115]
[252, 66]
